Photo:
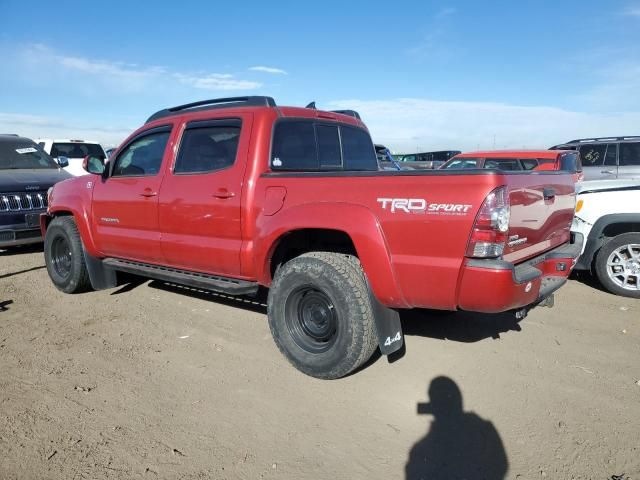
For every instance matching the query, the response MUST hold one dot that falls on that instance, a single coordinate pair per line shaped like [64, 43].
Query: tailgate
[542, 208]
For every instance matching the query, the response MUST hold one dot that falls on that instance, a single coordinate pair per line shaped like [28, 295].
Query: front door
[125, 205]
[200, 198]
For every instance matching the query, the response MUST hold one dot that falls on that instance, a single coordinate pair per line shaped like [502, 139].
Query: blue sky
[423, 75]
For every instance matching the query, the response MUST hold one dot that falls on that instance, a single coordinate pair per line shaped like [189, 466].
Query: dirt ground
[154, 381]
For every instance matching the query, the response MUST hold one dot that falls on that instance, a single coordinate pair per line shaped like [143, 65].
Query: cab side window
[208, 146]
[142, 157]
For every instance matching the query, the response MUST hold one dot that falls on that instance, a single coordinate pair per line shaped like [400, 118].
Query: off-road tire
[64, 256]
[601, 263]
[337, 282]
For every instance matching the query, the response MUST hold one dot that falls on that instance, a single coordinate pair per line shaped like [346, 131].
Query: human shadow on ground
[459, 445]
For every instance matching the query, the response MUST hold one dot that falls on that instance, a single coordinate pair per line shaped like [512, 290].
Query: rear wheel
[64, 256]
[618, 265]
[320, 314]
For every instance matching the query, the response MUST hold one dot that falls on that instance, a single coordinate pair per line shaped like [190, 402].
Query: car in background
[26, 173]
[607, 157]
[74, 151]
[426, 160]
[110, 151]
[385, 159]
[510, 160]
[608, 217]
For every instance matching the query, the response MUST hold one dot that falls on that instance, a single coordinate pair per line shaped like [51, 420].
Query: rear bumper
[493, 286]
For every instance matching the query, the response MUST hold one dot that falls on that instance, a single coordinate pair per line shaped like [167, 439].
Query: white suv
[73, 150]
[608, 216]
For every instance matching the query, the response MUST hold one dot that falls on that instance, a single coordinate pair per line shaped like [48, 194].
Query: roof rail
[603, 139]
[9, 134]
[250, 101]
[351, 113]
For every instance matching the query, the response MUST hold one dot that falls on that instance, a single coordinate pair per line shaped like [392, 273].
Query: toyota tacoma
[237, 193]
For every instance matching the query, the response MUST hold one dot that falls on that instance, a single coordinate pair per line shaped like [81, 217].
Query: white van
[73, 150]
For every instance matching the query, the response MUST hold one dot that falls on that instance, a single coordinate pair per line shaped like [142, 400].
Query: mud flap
[388, 326]
[101, 276]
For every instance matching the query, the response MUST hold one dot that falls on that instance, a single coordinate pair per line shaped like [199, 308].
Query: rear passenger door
[629, 155]
[200, 199]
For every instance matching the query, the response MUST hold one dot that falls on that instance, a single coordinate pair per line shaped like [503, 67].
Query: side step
[205, 281]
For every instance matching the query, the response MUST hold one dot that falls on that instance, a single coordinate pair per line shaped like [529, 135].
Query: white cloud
[216, 81]
[129, 77]
[409, 124]
[264, 69]
[35, 126]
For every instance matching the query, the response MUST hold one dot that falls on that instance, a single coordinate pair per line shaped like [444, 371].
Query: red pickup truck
[232, 194]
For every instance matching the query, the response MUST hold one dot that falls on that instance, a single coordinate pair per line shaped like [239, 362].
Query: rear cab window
[502, 164]
[310, 145]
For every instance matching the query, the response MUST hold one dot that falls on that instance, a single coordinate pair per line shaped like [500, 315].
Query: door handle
[610, 172]
[224, 193]
[548, 193]
[147, 192]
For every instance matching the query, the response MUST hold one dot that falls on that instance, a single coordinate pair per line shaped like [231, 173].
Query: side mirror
[94, 165]
[62, 161]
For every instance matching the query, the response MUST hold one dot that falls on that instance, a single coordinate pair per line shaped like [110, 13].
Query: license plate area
[32, 219]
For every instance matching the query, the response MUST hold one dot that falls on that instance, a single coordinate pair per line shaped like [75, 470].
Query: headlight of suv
[49, 195]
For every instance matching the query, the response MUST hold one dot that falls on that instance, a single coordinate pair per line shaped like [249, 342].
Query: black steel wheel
[320, 314]
[64, 256]
[312, 319]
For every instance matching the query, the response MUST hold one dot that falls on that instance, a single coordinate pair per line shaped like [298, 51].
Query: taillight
[489, 233]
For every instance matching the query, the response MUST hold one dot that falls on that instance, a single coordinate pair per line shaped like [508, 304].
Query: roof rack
[351, 113]
[602, 139]
[250, 101]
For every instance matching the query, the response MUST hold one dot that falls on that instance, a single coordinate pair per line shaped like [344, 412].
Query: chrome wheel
[623, 267]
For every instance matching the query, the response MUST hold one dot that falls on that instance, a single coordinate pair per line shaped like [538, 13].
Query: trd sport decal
[420, 205]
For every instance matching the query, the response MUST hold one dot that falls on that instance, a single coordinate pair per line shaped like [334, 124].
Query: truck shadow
[256, 304]
[586, 278]
[20, 272]
[465, 327]
[23, 249]
[4, 306]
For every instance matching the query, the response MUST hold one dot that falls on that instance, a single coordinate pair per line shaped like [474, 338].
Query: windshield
[76, 150]
[15, 154]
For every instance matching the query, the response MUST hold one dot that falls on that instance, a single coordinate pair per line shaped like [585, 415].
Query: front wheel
[64, 256]
[320, 314]
[618, 265]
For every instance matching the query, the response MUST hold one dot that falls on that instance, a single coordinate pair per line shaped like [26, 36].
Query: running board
[205, 281]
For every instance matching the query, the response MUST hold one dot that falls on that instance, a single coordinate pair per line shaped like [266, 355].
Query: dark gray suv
[26, 173]
[607, 157]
